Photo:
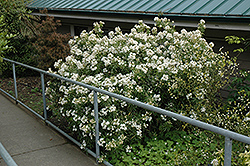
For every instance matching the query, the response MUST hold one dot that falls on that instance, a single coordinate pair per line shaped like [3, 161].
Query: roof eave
[181, 20]
[189, 15]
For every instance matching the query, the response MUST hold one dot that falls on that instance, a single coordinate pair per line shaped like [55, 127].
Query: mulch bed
[29, 91]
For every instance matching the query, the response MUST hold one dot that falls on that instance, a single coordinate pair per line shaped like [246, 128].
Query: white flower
[247, 119]
[157, 97]
[215, 162]
[154, 30]
[123, 104]
[184, 31]
[83, 145]
[128, 149]
[211, 44]
[164, 77]
[123, 127]
[111, 34]
[202, 21]
[156, 19]
[101, 142]
[78, 52]
[188, 95]
[118, 30]
[105, 70]
[71, 42]
[203, 109]
[105, 98]
[131, 56]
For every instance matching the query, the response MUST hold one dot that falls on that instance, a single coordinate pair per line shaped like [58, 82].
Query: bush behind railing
[178, 71]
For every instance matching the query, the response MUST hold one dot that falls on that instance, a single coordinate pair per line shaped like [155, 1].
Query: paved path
[31, 143]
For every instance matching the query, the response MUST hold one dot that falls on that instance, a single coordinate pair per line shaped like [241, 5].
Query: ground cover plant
[178, 71]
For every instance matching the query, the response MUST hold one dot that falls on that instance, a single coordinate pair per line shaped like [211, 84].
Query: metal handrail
[6, 156]
[229, 135]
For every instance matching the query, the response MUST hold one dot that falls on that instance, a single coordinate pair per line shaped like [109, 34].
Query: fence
[229, 135]
[6, 156]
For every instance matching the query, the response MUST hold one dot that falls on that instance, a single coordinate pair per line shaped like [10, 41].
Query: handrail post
[228, 151]
[15, 84]
[96, 126]
[44, 97]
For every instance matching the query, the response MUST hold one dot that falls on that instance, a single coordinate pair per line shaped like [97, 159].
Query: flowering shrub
[246, 157]
[235, 113]
[156, 65]
[238, 100]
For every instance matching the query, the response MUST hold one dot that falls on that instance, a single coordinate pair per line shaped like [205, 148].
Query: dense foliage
[49, 44]
[239, 97]
[36, 41]
[4, 40]
[157, 65]
[17, 20]
[178, 71]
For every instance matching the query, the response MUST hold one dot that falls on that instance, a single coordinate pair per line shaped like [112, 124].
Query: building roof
[208, 8]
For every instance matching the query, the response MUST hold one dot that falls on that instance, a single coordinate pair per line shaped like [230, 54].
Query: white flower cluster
[154, 65]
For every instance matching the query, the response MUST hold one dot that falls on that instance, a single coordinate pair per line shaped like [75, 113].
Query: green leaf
[239, 50]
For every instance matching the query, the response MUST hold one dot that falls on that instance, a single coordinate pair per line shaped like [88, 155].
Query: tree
[4, 40]
[50, 45]
[17, 18]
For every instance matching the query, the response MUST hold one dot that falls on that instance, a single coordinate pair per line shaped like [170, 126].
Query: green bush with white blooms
[177, 71]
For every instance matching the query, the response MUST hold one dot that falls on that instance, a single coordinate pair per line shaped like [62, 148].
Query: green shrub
[173, 70]
[4, 39]
[17, 20]
[179, 148]
[17, 17]
[22, 51]
[197, 147]
[239, 99]
[236, 109]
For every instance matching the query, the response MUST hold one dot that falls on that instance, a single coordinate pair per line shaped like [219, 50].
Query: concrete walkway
[31, 143]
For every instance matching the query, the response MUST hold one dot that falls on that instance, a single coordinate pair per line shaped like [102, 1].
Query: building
[223, 17]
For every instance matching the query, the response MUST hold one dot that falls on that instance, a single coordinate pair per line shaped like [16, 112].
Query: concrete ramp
[31, 143]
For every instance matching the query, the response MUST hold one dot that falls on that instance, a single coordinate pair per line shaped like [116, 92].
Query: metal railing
[6, 156]
[229, 135]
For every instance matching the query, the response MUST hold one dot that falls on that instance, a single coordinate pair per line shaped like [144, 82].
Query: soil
[29, 91]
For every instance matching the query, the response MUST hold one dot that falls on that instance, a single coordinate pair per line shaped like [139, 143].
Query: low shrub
[22, 51]
[177, 148]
